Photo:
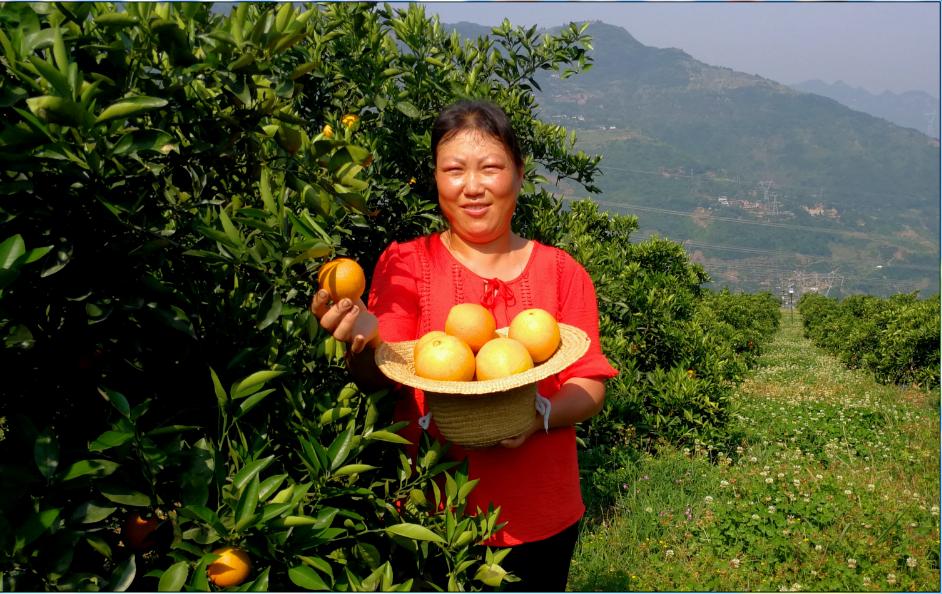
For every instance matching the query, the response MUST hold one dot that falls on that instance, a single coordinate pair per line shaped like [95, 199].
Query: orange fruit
[445, 358]
[426, 338]
[231, 568]
[139, 532]
[537, 330]
[342, 278]
[502, 357]
[472, 323]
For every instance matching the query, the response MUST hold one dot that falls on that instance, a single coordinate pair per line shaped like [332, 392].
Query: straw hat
[480, 414]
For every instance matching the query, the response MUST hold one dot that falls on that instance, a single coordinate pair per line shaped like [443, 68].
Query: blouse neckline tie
[495, 288]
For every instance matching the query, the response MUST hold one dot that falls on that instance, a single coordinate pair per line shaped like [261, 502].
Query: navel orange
[342, 278]
[445, 358]
[424, 340]
[501, 357]
[472, 323]
[537, 330]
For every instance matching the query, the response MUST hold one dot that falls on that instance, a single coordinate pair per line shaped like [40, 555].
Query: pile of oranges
[469, 348]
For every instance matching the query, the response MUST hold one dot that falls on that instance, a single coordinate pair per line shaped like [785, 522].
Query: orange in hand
[231, 568]
[445, 358]
[502, 357]
[472, 323]
[342, 278]
[538, 331]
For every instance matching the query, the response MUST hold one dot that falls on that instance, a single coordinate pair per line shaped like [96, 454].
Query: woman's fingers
[339, 319]
[319, 303]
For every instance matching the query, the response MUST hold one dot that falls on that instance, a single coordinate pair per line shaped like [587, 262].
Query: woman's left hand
[517, 440]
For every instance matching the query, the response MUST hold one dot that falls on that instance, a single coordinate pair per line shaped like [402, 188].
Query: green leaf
[34, 527]
[248, 502]
[124, 495]
[264, 189]
[335, 414]
[10, 250]
[251, 384]
[231, 232]
[274, 312]
[387, 436]
[491, 574]
[117, 400]
[408, 109]
[248, 472]
[415, 532]
[110, 439]
[89, 467]
[306, 578]
[270, 485]
[353, 469]
[91, 512]
[260, 584]
[174, 577]
[340, 448]
[130, 107]
[221, 396]
[252, 401]
[57, 110]
[123, 575]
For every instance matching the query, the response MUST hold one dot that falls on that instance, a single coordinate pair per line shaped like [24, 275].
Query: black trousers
[542, 566]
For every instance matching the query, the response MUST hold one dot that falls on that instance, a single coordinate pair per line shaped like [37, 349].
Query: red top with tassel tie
[414, 286]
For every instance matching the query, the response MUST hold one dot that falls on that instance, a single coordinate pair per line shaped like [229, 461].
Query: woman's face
[478, 183]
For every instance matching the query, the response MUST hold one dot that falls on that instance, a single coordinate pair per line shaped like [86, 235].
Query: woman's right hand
[347, 321]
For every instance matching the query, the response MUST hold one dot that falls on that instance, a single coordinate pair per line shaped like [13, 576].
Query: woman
[533, 476]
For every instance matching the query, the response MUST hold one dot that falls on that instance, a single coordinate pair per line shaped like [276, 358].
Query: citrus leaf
[130, 107]
[388, 436]
[415, 532]
[306, 578]
[248, 472]
[174, 577]
[353, 469]
[89, 467]
[124, 495]
[251, 384]
[123, 575]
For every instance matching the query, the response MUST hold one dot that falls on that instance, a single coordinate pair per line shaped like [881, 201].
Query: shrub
[173, 178]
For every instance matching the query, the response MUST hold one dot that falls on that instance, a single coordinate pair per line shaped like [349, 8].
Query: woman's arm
[579, 399]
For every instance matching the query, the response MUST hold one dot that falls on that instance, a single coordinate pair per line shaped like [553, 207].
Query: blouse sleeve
[579, 307]
[394, 296]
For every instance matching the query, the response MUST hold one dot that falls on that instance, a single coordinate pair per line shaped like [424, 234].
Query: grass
[834, 488]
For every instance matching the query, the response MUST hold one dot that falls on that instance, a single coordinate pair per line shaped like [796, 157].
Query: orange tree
[172, 178]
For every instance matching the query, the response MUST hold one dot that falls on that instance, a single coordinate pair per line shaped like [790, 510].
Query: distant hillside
[912, 109]
[760, 180]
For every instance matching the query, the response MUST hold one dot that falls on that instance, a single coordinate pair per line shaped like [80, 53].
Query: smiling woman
[533, 477]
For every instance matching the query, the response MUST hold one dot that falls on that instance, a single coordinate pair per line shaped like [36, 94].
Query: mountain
[762, 182]
[912, 109]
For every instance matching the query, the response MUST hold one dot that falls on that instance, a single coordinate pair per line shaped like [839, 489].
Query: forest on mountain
[766, 185]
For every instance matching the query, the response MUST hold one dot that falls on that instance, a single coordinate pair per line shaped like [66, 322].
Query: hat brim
[394, 360]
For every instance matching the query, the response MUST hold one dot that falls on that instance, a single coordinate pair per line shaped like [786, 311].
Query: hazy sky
[875, 45]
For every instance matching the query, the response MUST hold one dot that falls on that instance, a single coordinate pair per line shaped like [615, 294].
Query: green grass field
[834, 488]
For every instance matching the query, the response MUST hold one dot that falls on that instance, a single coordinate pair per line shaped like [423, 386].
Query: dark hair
[479, 115]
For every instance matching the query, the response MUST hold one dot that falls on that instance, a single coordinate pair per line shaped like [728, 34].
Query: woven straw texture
[480, 414]
[395, 361]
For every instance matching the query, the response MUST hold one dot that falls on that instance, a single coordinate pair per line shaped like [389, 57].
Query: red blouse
[536, 485]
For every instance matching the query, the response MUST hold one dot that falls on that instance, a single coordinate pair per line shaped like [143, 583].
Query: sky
[878, 46]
